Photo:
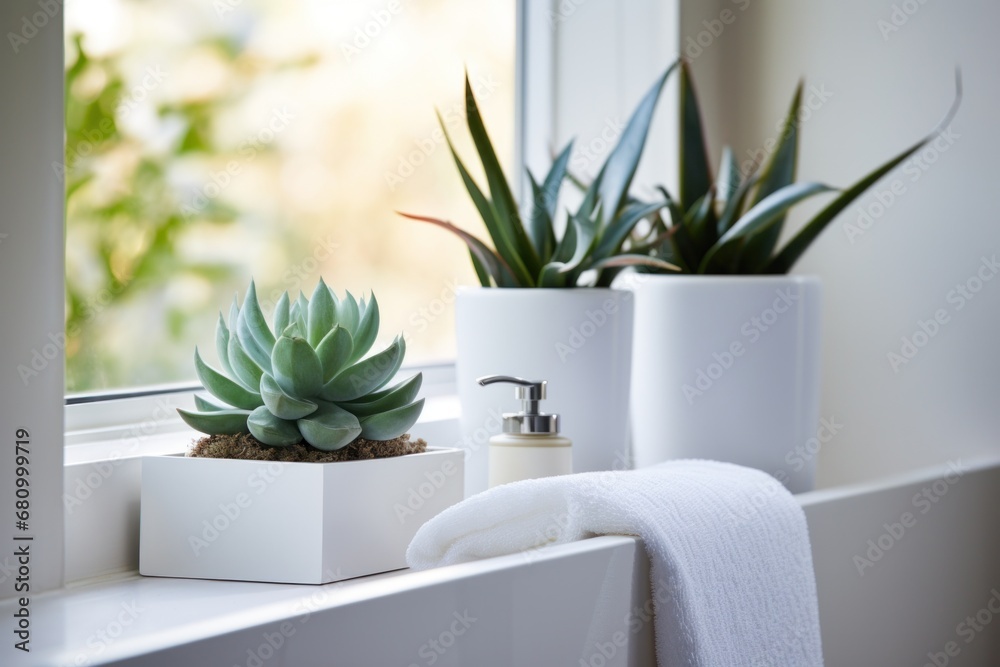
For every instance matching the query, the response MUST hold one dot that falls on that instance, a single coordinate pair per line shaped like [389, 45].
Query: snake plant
[731, 224]
[305, 380]
[527, 251]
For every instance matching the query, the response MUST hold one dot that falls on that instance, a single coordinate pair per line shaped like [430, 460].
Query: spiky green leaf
[217, 422]
[223, 388]
[366, 332]
[244, 369]
[391, 424]
[498, 269]
[272, 430]
[297, 368]
[365, 376]
[321, 313]
[334, 352]
[329, 428]
[388, 399]
[695, 174]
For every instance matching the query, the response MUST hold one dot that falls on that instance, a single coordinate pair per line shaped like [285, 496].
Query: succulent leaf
[223, 388]
[282, 405]
[347, 313]
[367, 331]
[218, 422]
[242, 366]
[207, 405]
[222, 344]
[250, 345]
[296, 367]
[335, 351]
[281, 314]
[329, 428]
[391, 424]
[389, 399]
[321, 313]
[365, 376]
[255, 319]
[271, 430]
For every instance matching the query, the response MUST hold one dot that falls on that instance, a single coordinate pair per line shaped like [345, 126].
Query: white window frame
[627, 46]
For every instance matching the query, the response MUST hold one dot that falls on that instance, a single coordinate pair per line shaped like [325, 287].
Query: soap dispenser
[530, 445]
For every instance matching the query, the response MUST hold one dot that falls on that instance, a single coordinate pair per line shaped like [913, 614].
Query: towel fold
[731, 565]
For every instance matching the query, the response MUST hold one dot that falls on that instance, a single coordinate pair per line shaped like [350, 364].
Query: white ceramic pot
[578, 340]
[297, 523]
[727, 368]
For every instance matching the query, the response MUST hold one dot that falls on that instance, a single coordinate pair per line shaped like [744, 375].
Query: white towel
[731, 565]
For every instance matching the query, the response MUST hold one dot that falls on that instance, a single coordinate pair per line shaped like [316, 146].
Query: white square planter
[303, 523]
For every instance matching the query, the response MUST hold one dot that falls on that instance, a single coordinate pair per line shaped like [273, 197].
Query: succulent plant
[307, 379]
[533, 254]
[732, 224]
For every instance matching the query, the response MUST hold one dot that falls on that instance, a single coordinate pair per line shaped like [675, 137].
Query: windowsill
[138, 620]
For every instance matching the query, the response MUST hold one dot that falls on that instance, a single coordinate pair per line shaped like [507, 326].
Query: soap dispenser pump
[530, 445]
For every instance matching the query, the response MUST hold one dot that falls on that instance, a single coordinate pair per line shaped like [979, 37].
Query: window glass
[211, 141]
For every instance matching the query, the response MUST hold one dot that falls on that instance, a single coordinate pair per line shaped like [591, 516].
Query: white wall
[888, 88]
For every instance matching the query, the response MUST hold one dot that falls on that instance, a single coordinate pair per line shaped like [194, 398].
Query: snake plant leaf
[735, 204]
[271, 430]
[611, 240]
[335, 352]
[702, 223]
[502, 241]
[282, 313]
[224, 389]
[779, 172]
[207, 405]
[367, 331]
[636, 260]
[222, 344]
[329, 428]
[498, 269]
[481, 273]
[280, 404]
[540, 222]
[554, 180]
[250, 345]
[618, 171]
[216, 422]
[786, 258]
[387, 399]
[244, 369]
[297, 368]
[391, 424]
[503, 199]
[255, 319]
[321, 313]
[695, 174]
[768, 212]
[552, 277]
[365, 376]
[728, 182]
[585, 228]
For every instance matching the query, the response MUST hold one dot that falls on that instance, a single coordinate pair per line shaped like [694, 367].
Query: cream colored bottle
[530, 445]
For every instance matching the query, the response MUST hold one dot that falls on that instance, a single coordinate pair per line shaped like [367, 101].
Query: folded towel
[731, 565]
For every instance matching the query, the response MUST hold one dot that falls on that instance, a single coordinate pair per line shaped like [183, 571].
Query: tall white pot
[578, 340]
[727, 368]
